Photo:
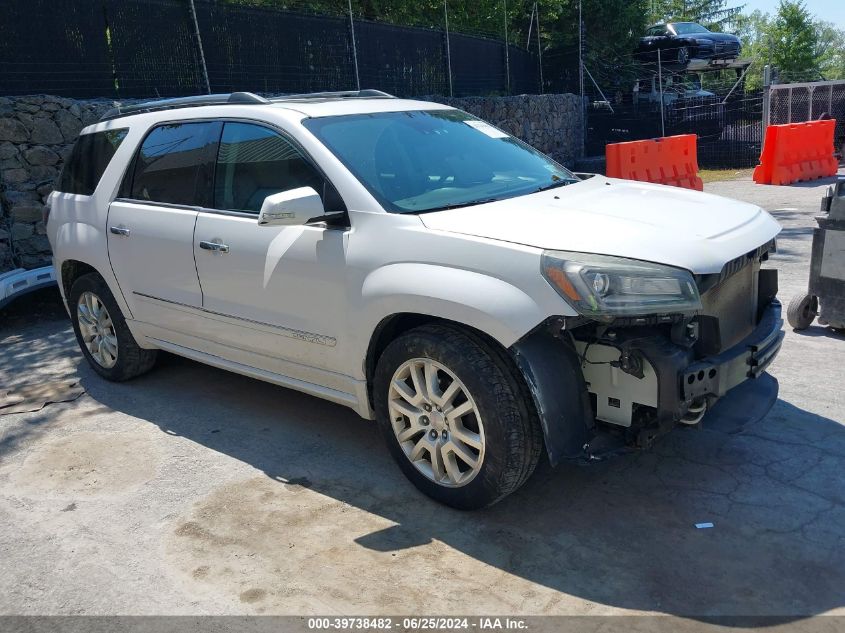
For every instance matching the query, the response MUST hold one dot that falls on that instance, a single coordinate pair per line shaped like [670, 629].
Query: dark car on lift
[679, 42]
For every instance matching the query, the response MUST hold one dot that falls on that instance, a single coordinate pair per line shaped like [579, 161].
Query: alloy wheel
[97, 329]
[436, 422]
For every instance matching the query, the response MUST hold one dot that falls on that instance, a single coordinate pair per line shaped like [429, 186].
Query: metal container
[825, 296]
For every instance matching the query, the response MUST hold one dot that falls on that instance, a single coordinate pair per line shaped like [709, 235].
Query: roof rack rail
[367, 93]
[184, 102]
[238, 98]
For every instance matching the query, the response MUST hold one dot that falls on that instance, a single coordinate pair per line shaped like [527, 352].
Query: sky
[827, 10]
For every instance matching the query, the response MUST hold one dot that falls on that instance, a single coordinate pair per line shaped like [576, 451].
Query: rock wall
[37, 133]
[551, 123]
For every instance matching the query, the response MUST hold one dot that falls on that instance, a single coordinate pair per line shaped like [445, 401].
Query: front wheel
[683, 56]
[456, 416]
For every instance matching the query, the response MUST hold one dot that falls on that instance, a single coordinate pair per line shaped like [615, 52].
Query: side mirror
[291, 208]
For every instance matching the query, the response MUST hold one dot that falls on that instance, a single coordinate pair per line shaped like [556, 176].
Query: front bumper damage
[578, 424]
[716, 375]
[683, 380]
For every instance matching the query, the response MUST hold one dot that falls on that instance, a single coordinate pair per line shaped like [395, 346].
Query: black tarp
[148, 48]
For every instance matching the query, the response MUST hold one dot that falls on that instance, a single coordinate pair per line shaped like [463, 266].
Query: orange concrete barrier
[797, 151]
[671, 160]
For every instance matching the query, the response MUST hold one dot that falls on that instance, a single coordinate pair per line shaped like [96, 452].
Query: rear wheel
[456, 417]
[802, 311]
[102, 333]
[683, 56]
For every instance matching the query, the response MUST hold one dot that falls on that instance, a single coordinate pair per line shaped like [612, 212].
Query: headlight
[597, 285]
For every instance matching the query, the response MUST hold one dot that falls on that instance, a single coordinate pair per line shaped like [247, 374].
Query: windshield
[691, 83]
[420, 161]
[683, 84]
[688, 28]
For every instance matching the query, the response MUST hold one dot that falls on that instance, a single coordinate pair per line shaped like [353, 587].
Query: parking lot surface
[191, 490]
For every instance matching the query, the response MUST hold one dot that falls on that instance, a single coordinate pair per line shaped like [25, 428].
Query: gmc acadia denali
[418, 265]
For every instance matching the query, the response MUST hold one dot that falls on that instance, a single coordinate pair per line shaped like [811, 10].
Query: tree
[612, 30]
[830, 50]
[798, 47]
[712, 14]
[754, 31]
[794, 42]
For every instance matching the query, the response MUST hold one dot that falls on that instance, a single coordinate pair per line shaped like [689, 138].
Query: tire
[129, 360]
[801, 311]
[683, 56]
[499, 430]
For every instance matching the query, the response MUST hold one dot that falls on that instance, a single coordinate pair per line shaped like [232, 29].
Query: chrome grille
[723, 48]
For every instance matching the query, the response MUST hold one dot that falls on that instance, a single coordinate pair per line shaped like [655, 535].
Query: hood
[669, 225]
[716, 37]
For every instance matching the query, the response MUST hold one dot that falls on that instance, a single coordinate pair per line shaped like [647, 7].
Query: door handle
[119, 230]
[214, 246]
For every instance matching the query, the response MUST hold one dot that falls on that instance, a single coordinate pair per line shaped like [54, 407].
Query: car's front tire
[102, 333]
[456, 416]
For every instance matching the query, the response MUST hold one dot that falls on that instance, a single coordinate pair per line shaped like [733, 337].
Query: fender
[486, 303]
[549, 365]
[89, 246]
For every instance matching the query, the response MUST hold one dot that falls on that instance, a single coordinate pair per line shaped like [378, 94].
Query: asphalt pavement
[191, 491]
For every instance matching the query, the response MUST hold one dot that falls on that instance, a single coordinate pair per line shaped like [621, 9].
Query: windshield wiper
[460, 205]
[555, 185]
[457, 205]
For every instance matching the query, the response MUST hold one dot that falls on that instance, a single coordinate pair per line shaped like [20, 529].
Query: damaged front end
[605, 383]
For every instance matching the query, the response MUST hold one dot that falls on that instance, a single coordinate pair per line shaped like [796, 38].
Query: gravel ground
[191, 490]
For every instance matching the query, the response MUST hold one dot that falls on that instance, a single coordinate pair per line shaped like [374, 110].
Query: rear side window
[253, 163]
[88, 160]
[175, 164]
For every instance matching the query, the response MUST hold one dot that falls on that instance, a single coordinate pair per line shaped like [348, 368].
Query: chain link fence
[715, 106]
[799, 102]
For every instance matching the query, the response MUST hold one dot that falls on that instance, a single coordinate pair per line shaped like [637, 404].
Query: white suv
[418, 265]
